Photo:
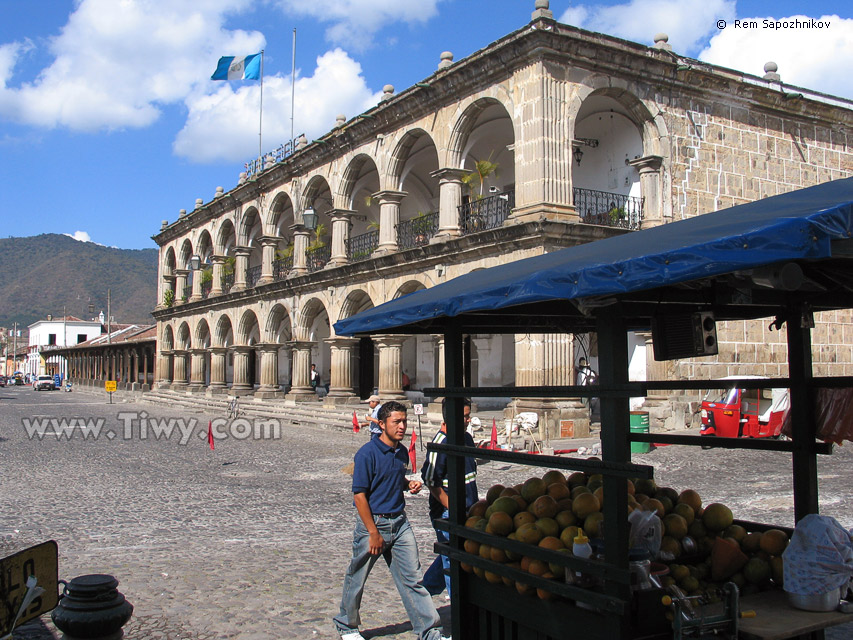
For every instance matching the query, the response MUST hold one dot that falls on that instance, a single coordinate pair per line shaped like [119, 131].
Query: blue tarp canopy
[808, 226]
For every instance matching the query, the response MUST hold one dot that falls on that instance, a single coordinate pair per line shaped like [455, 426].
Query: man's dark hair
[388, 408]
[466, 402]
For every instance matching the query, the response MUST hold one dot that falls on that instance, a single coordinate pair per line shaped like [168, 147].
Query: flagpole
[293, 85]
[261, 116]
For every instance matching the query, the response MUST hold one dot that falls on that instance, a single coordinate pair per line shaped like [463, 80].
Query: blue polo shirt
[380, 472]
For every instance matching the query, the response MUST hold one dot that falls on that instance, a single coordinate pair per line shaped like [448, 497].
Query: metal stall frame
[716, 263]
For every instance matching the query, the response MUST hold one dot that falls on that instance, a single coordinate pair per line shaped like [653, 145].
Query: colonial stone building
[550, 137]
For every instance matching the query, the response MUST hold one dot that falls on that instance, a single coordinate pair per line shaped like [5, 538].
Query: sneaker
[352, 635]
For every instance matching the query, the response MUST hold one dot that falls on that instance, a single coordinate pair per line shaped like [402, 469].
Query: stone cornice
[542, 40]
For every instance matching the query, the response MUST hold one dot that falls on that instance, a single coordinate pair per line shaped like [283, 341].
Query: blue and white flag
[245, 68]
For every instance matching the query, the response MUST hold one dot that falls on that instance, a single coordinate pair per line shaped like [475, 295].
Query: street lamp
[309, 218]
[195, 262]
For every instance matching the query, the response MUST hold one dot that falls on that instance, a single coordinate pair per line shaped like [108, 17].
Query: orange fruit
[774, 542]
[585, 504]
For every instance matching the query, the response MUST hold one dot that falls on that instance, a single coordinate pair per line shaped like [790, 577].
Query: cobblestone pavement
[250, 541]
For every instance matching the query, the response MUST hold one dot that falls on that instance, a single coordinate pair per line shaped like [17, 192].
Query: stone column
[449, 200]
[144, 386]
[168, 285]
[389, 217]
[300, 386]
[543, 146]
[126, 373]
[218, 263]
[300, 246]
[650, 188]
[434, 406]
[544, 360]
[179, 382]
[341, 226]
[197, 369]
[240, 265]
[241, 385]
[390, 370]
[180, 285]
[218, 365]
[269, 371]
[196, 292]
[341, 390]
[268, 247]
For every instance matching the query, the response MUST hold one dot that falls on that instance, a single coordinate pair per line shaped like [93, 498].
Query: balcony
[206, 287]
[281, 267]
[253, 274]
[316, 259]
[486, 213]
[417, 231]
[227, 282]
[361, 247]
[608, 209]
[188, 291]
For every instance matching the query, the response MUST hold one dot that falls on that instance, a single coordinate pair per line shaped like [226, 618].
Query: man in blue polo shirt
[434, 475]
[378, 482]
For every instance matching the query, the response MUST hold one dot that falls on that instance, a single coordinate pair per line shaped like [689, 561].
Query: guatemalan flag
[245, 68]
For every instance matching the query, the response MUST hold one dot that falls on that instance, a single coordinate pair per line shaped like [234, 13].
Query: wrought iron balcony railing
[281, 267]
[417, 231]
[188, 291]
[361, 247]
[316, 259]
[227, 282]
[206, 288]
[608, 209]
[486, 213]
[253, 274]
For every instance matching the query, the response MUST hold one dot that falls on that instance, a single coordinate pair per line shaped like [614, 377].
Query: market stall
[782, 259]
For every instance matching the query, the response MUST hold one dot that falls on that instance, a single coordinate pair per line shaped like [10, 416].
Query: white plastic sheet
[819, 557]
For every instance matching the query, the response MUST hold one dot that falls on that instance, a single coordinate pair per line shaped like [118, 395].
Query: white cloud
[812, 58]
[81, 236]
[354, 22]
[688, 23]
[116, 62]
[224, 126]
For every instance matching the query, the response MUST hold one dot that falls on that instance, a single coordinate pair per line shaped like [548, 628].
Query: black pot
[91, 607]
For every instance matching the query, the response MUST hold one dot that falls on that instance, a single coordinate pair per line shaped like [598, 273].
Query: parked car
[2, 381]
[44, 382]
[744, 413]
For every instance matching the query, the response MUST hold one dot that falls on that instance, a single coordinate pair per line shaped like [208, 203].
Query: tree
[482, 170]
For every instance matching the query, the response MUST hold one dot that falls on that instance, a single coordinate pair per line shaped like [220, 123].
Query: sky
[110, 123]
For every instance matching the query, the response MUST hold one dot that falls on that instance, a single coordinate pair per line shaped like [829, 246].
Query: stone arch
[355, 302]
[185, 253]
[482, 111]
[412, 163]
[223, 335]
[201, 335]
[410, 286]
[226, 238]
[314, 326]
[249, 226]
[184, 339]
[280, 215]
[278, 327]
[361, 179]
[169, 262]
[204, 246]
[168, 342]
[248, 329]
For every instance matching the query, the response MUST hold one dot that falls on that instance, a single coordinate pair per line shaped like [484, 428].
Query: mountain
[41, 275]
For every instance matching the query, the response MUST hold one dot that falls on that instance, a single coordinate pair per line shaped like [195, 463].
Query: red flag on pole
[413, 457]
[493, 441]
[356, 427]
[210, 434]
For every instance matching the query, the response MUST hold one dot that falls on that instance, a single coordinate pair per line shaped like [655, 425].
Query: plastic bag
[819, 557]
[646, 531]
[833, 415]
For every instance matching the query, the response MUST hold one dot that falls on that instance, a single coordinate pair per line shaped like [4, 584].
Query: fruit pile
[701, 547]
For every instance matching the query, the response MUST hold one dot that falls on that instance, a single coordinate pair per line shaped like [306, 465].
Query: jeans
[401, 556]
[437, 577]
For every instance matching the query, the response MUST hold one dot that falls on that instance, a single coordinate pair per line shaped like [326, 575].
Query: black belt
[389, 515]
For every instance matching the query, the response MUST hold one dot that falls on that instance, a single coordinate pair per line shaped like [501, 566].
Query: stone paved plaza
[250, 541]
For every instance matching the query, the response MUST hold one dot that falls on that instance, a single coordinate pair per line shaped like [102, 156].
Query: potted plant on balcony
[317, 243]
[168, 298]
[617, 215]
